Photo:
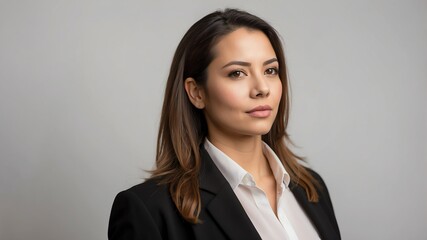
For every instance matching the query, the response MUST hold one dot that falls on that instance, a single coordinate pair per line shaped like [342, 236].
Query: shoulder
[153, 195]
[150, 191]
[144, 211]
[321, 187]
[324, 198]
[316, 176]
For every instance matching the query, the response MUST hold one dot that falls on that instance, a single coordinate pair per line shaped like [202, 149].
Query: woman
[223, 166]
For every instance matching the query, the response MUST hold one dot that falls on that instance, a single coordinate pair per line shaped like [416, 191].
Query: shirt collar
[234, 174]
[229, 168]
[276, 165]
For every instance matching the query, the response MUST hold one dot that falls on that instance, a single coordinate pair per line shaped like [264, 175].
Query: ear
[195, 93]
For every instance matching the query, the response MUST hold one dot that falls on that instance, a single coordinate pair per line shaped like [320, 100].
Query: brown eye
[236, 74]
[271, 71]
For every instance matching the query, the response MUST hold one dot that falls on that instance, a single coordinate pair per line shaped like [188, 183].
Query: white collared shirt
[291, 221]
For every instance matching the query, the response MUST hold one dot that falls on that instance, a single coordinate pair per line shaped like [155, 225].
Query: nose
[260, 87]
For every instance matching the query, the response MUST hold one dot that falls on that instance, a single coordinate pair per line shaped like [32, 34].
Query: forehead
[243, 44]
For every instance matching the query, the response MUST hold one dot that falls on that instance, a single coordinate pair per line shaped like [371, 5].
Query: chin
[261, 130]
[264, 132]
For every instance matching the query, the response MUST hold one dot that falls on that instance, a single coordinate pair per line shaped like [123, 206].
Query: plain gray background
[81, 86]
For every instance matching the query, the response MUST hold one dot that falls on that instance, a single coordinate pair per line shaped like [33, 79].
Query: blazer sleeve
[130, 219]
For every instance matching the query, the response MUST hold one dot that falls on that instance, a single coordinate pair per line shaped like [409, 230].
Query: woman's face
[243, 88]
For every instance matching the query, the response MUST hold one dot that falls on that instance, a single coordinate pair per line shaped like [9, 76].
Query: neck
[245, 151]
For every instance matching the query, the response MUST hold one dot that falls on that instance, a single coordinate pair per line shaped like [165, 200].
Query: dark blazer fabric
[146, 211]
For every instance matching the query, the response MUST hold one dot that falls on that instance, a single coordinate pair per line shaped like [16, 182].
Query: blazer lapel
[222, 204]
[315, 212]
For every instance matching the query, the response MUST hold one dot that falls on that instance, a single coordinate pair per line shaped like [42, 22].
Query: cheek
[226, 96]
[277, 90]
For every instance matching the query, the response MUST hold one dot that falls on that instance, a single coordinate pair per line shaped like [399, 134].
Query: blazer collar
[227, 211]
[224, 207]
[315, 213]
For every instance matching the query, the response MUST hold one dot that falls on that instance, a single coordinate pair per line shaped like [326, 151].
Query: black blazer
[146, 211]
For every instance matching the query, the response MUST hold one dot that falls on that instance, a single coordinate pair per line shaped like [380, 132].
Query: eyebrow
[246, 64]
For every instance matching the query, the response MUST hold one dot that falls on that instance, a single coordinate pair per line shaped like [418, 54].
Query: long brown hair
[183, 127]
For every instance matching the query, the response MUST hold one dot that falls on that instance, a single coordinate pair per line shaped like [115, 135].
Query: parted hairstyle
[183, 127]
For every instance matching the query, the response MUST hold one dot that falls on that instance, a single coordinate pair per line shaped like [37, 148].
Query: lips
[260, 111]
